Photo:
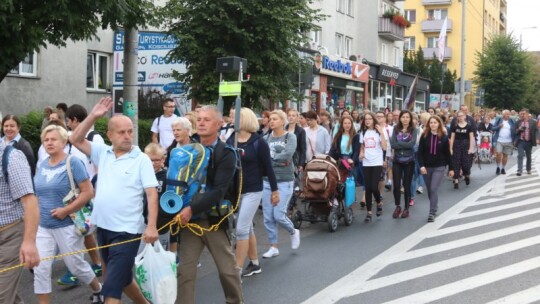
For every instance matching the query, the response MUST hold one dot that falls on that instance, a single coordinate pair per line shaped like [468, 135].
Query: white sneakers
[295, 239]
[272, 252]
[295, 243]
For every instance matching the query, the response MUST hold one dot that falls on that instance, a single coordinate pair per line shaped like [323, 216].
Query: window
[384, 56]
[397, 61]
[339, 44]
[349, 7]
[27, 67]
[97, 71]
[437, 14]
[348, 47]
[315, 36]
[341, 6]
[433, 42]
[410, 44]
[410, 15]
[384, 7]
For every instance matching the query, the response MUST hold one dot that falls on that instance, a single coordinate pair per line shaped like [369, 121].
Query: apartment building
[483, 18]
[359, 57]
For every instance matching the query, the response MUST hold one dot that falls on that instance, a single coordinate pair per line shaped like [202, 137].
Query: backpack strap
[90, 136]
[5, 160]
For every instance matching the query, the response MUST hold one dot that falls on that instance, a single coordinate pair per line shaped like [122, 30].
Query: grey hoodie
[281, 151]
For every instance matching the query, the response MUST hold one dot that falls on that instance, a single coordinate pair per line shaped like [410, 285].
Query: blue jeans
[278, 214]
[524, 150]
[248, 207]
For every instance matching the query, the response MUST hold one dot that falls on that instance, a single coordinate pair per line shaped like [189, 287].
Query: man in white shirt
[162, 126]
[504, 129]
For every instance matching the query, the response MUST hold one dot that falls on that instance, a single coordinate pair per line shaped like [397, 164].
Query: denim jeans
[278, 214]
[524, 150]
[248, 207]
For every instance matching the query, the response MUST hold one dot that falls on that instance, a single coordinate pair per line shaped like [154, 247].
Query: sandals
[379, 209]
[362, 205]
[367, 220]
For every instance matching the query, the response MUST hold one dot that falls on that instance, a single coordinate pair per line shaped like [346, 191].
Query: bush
[31, 129]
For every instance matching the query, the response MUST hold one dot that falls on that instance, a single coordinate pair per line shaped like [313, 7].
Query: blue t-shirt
[52, 185]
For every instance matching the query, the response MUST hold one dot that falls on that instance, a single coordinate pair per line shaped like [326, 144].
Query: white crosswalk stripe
[448, 245]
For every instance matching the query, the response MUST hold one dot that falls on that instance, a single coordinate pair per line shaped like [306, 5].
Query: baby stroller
[327, 194]
[485, 149]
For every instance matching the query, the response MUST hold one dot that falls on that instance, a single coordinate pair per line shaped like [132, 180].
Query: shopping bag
[81, 218]
[155, 273]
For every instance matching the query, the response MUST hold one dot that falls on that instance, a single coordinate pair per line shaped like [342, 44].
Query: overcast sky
[522, 15]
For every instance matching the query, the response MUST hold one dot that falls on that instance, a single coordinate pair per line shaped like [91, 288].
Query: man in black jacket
[219, 175]
[527, 136]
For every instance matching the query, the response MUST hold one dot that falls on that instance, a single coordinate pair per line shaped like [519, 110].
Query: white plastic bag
[155, 272]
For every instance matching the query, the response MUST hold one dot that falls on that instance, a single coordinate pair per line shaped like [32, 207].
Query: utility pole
[130, 105]
[463, 39]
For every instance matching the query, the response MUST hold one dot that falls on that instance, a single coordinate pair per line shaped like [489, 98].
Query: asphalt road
[453, 260]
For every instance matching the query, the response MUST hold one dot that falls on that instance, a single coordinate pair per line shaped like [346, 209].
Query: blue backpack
[185, 176]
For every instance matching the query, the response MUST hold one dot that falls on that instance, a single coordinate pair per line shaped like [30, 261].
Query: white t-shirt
[165, 132]
[311, 142]
[389, 131]
[373, 152]
[505, 134]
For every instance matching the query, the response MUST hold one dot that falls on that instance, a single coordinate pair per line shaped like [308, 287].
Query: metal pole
[131, 43]
[463, 39]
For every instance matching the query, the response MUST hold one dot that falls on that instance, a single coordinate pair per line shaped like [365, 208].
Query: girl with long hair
[372, 153]
[461, 147]
[433, 157]
[402, 142]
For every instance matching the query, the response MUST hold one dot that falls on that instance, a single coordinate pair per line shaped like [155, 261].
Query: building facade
[353, 44]
[483, 18]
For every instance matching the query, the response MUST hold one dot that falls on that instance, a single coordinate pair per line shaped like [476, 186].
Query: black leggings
[402, 172]
[372, 176]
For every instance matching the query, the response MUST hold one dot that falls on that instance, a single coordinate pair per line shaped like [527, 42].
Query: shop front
[388, 87]
[339, 84]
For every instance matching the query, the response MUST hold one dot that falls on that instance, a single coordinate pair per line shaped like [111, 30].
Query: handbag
[81, 218]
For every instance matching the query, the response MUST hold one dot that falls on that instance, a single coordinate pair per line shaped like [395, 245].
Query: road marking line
[424, 251]
[488, 210]
[480, 223]
[444, 265]
[492, 199]
[525, 296]
[469, 283]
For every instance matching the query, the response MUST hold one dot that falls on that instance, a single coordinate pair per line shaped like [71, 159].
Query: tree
[504, 72]
[409, 62]
[266, 33]
[421, 63]
[435, 74]
[28, 25]
[449, 81]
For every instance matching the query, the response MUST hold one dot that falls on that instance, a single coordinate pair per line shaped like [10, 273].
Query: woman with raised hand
[56, 228]
[433, 157]
[282, 146]
[402, 141]
[372, 154]
[461, 147]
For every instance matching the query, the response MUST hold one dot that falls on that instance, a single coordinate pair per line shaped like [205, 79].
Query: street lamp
[521, 35]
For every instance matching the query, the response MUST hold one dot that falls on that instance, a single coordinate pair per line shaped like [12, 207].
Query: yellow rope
[196, 229]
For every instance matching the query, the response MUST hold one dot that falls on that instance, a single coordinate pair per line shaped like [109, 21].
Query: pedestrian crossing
[485, 249]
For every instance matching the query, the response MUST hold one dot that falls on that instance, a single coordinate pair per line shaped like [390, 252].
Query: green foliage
[435, 69]
[31, 129]
[29, 24]
[421, 63]
[504, 71]
[266, 33]
[449, 80]
[145, 136]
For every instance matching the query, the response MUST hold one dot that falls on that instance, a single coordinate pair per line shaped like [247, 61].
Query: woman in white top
[372, 152]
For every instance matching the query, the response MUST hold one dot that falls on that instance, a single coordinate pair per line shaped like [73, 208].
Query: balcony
[390, 30]
[502, 17]
[429, 52]
[436, 2]
[435, 25]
